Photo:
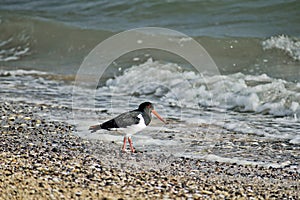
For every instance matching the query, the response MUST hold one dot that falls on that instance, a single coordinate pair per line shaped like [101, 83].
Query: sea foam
[289, 45]
[239, 92]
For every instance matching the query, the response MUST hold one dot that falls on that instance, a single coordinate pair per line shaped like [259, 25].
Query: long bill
[158, 116]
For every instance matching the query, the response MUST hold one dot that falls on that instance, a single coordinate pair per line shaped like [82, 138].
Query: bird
[130, 123]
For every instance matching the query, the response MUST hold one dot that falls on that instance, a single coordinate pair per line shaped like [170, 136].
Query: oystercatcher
[130, 122]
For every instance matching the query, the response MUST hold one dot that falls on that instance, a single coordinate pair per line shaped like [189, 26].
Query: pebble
[41, 159]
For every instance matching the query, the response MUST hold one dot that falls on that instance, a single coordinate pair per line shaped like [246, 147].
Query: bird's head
[149, 108]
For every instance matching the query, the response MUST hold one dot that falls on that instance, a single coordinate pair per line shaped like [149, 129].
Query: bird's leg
[124, 144]
[131, 146]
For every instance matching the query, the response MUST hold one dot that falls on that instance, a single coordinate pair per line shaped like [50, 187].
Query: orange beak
[158, 116]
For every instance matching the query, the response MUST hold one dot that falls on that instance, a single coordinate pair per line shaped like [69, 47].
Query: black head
[146, 106]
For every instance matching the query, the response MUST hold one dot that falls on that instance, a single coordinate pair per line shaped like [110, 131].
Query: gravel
[43, 159]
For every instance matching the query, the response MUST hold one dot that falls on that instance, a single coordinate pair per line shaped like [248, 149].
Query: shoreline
[43, 159]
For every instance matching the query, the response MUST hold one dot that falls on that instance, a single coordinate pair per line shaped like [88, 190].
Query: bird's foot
[133, 150]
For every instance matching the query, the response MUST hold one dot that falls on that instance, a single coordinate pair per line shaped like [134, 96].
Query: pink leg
[124, 145]
[131, 146]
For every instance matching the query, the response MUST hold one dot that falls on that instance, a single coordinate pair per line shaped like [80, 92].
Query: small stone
[11, 118]
[78, 194]
[31, 144]
[206, 192]
[27, 118]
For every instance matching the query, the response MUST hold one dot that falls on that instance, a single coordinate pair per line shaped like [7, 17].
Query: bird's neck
[147, 116]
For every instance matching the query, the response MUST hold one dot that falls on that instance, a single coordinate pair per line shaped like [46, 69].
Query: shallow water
[222, 132]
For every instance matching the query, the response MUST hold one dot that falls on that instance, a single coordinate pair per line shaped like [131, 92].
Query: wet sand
[43, 159]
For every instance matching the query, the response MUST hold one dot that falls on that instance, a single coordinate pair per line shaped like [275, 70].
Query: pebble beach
[223, 74]
[44, 159]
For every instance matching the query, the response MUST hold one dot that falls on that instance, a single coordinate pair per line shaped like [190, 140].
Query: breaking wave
[239, 92]
[291, 46]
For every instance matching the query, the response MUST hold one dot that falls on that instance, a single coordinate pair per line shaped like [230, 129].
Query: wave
[289, 45]
[14, 41]
[45, 45]
[239, 92]
[53, 46]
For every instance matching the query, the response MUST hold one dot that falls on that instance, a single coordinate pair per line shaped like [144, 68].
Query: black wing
[121, 121]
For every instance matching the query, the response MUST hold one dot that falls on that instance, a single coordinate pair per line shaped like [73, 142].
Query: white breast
[129, 130]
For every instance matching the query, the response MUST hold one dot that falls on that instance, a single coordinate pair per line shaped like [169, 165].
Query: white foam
[21, 72]
[8, 53]
[295, 140]
[259, 94]
[285, 43]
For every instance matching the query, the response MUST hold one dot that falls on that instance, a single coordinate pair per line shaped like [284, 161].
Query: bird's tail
[94, 128]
